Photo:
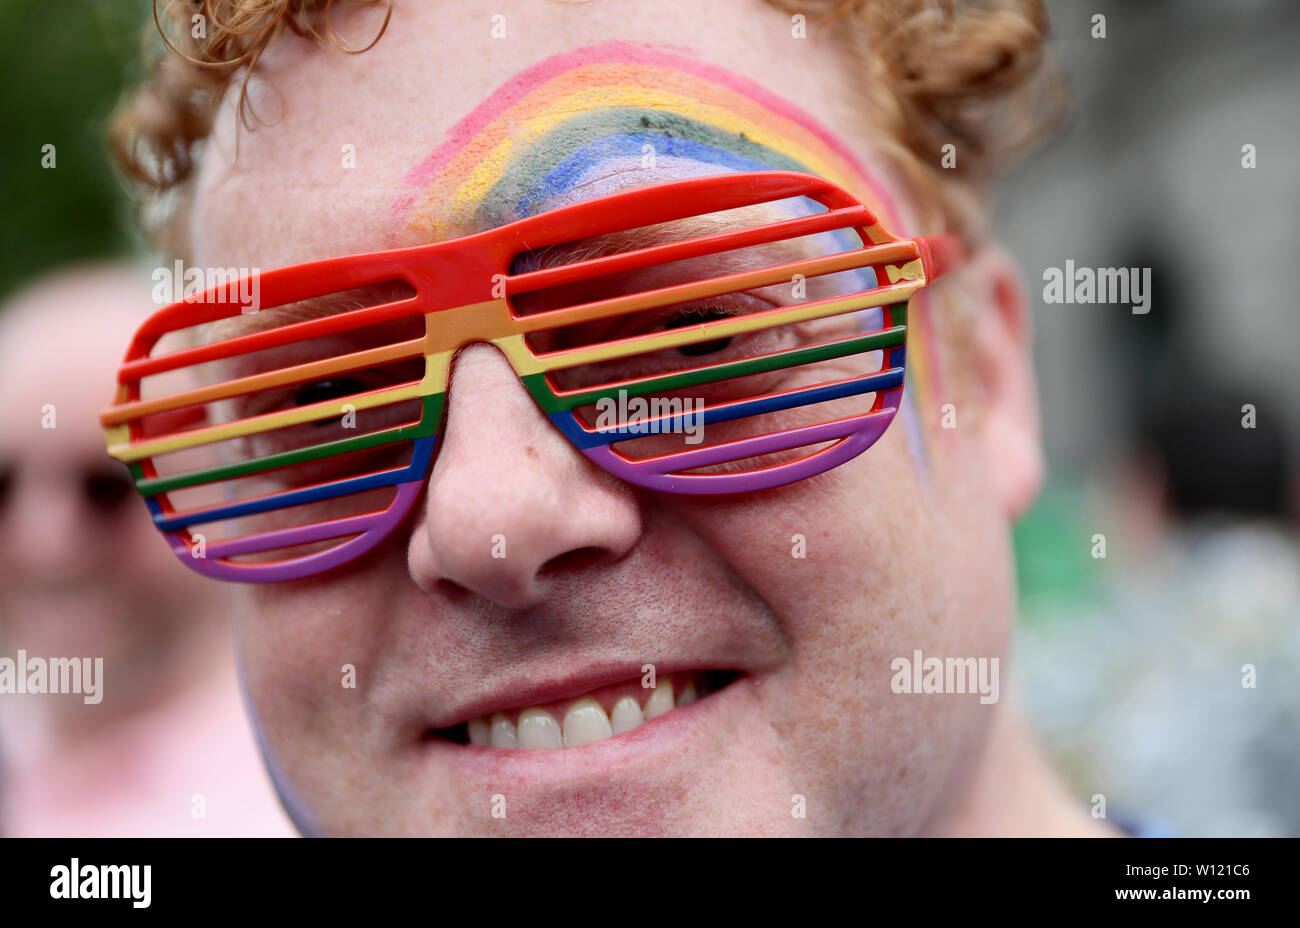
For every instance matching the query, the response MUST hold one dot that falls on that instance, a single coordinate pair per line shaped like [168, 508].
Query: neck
[1015, 793]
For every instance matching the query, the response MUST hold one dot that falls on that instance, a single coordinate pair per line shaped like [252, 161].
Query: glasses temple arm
[940, 254]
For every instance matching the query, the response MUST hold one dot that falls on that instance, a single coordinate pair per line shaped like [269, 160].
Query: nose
[511, 504]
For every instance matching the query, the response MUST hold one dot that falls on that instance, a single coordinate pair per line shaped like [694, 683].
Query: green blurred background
[63, 64]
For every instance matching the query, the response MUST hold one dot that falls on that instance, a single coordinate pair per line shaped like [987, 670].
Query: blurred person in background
[1176, 692]
[1180, 162]
[166, 750]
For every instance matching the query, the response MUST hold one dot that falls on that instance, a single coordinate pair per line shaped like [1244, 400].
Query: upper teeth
[585, 720]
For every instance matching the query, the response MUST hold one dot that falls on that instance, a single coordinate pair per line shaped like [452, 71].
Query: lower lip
[665, 740]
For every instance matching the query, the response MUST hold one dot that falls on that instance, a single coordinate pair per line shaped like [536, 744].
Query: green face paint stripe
[430, 420]
[888, 338]
[519, 181]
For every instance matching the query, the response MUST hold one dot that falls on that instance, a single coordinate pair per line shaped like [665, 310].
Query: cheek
[307, 650]
[863, 565]
[839, 547]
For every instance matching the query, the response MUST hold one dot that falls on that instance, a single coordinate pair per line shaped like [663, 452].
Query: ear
[1005, 379]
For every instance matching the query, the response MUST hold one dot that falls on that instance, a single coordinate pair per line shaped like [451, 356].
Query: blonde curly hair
[933, 72]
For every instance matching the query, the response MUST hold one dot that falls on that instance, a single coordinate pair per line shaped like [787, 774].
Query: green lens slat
[886, 338]
[430, 418]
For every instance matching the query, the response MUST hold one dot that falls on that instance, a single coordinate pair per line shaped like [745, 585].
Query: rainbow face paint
[562, 123]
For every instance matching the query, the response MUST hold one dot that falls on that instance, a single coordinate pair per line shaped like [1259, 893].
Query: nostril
[450, 589]
[576, 559]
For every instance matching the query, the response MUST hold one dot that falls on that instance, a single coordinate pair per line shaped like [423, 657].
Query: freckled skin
[895, 561]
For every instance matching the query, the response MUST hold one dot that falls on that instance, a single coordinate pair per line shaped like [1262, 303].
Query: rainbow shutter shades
[302, 434]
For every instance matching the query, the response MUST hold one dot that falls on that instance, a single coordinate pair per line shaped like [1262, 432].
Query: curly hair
[933, 72]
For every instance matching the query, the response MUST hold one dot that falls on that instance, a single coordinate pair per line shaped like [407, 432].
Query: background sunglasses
[714, 335]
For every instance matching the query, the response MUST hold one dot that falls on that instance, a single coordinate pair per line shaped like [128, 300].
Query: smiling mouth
[588, 717]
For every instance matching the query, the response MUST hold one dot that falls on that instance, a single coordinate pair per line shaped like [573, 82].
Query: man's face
[81, 569]
[797, 598]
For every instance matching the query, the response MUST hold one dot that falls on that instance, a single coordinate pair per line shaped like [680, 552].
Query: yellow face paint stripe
[462, 182]
[493, 165]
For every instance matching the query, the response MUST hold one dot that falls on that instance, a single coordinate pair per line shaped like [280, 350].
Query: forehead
[588, 122]
[441, 128]
[55, 383]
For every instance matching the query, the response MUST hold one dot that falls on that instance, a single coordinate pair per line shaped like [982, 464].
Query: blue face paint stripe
[569, 172]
